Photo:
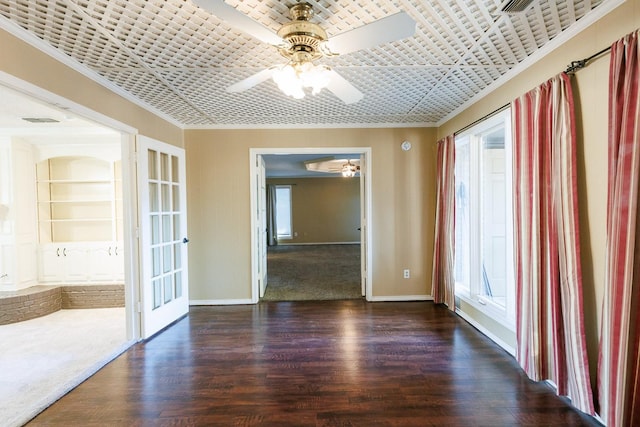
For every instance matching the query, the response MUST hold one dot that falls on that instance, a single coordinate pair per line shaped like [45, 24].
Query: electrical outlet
[406, 273]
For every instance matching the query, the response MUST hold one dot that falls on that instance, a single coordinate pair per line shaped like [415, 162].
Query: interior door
[163, 231]
[261, 222]
[363, 224]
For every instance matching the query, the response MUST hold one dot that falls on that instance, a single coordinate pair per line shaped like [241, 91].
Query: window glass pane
[175, 176]
[178, 283]
[166, 258]
[155, 261]
[462, 234]
[176, 226]
[176, 198]
[166, 228]
[166, 198]
[155, 229]
[154, 203]
[168, 288]
[493, 231]
[177, 255]
[164, 166]
[283, 211]
[157, 293]
[153, 164]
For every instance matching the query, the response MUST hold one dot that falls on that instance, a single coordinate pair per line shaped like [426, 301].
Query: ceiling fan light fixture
[317, 77]
[288, 82]
[293, 78]
[349, 170]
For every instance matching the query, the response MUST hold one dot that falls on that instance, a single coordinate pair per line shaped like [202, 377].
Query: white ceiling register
[179, 58]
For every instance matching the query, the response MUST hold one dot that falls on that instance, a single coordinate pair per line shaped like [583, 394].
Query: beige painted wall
[590, 92]
[25, 62]
[324, 210]
[403, 203]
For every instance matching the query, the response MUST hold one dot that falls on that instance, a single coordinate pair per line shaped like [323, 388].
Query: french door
[163, 231]
[261, 223]
[363, 225]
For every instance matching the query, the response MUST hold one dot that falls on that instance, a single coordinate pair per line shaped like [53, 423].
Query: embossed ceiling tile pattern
[166, 34]
[148, 88]
[207, 90]
[179, 59]
[64, 29]
[340, 17]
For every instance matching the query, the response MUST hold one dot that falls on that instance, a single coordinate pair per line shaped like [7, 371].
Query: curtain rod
[577, 65]
[571, 68]
[485, 117]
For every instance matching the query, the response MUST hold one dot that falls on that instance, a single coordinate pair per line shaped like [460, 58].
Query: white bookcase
[80, 219]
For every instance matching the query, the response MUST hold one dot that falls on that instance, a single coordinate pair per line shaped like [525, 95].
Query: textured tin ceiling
[178, 59]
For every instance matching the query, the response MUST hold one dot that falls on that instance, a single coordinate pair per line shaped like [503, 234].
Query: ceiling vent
[516, 6]
[40, 120]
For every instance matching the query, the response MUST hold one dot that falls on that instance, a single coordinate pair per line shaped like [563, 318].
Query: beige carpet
[42, 359]
[313, 272]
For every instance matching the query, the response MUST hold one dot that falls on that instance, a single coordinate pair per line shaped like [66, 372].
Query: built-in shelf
[79, 220]
[79, 200]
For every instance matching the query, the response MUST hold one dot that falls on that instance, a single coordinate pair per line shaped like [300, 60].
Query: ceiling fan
[301, 42]
[347, 167]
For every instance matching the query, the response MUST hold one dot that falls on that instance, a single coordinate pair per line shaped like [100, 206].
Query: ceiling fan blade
[251, 81]
[343, 89]
[239, 20]
[388, 29]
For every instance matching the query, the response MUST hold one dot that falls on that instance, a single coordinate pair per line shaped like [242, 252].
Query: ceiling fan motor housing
[302, 36]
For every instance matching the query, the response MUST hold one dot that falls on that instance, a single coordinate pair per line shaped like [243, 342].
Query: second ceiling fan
[302, 42]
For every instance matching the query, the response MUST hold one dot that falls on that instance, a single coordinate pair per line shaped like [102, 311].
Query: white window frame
[290, 235]
[472, 294]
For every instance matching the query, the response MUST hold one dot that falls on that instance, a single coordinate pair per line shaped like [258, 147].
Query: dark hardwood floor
[323, 363]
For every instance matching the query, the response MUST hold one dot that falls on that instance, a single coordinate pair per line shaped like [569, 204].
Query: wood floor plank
[314, 363]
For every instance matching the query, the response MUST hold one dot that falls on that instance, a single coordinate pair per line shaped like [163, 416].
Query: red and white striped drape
[549, 320]
[443, 280]
[618, 361]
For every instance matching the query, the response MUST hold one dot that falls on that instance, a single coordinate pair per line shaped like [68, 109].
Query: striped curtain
[443, 280]
[618, 361]
[549, 321]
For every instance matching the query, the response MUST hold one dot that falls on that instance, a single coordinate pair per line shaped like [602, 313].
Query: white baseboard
[317, 243]
[486, 332]
[399, 298]
[221, 302]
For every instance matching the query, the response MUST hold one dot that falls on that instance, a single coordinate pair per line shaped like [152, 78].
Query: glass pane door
[163, 234]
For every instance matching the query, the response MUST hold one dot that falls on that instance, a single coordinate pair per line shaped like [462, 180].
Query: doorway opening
[64, 211]
[327, 250]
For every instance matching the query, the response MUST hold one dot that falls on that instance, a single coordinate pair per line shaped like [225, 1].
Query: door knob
[185, 240]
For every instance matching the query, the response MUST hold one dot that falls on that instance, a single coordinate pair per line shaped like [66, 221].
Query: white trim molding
[400, 298]
[195, 302]
[486, 332]
[254, 153]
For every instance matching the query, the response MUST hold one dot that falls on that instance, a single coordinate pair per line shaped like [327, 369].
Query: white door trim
[253, 170]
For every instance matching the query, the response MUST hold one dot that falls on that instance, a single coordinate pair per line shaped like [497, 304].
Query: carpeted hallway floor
[313, 272]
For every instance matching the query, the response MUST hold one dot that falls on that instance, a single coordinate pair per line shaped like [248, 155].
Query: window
[283, 211]
[484, 238]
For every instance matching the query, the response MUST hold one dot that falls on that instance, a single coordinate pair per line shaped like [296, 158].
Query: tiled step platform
[37, 301]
